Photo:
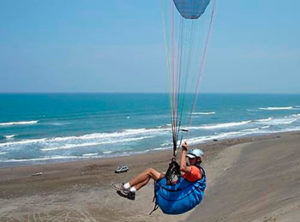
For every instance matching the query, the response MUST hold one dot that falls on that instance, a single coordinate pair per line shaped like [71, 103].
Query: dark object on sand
[215, 140]
[37, 174]
[121, 169]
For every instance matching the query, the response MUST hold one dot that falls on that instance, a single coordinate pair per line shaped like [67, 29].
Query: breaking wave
[219, 125]
[204, 113]
[277, 108]
[8, 137]
[19, 123]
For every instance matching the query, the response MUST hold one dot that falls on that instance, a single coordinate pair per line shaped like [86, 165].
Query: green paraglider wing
[191, 9]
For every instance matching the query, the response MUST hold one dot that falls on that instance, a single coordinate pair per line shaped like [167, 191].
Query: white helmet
[193, 153]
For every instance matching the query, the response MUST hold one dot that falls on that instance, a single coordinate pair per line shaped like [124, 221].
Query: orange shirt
[194, 175]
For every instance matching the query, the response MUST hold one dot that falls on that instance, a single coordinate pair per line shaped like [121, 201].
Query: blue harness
[180, 197]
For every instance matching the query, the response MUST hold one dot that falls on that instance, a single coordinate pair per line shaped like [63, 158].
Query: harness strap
[202, 170]
[154, 200]
[154, 209]
[173, 170]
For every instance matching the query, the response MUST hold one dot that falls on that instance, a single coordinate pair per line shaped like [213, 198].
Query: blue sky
[117, 46]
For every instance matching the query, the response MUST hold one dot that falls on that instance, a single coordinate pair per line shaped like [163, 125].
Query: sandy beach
[87, 87]
[249, 179]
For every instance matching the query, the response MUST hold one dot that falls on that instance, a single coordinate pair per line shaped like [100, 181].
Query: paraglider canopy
[191, 9]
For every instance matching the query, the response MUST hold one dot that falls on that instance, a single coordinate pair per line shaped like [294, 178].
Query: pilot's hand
[184, 146]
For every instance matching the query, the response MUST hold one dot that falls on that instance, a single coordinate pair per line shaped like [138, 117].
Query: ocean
[43, 128]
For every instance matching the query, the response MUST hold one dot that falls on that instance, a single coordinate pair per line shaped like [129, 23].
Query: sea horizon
[167, 93]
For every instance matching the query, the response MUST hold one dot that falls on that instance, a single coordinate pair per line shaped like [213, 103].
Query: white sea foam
[236, 129]
[236, 134]
[291, 129]
[277, 108]
[202, 139]
[167, 144]
[125, 133]
[264, 120]
[135, 134]
[99, 138]
[226, 135]
[145, 131]
[57, 123]
[279, 121]
[194, 140]
[218, 126]
[56, 157]
[9, 137]
[161, 148]
[71, 146]
[252, 110]
[262, 126]
[250, 130]
[90, 154]
[285, 120]
[2, 153]
[19, 123]
[23, 142]
[203, 113]
[265, 127]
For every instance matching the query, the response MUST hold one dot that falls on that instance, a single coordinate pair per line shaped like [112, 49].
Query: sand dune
[250, 179]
